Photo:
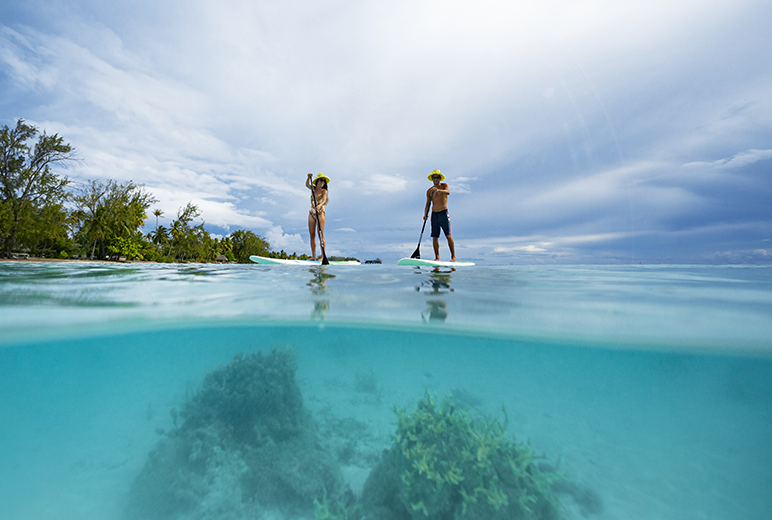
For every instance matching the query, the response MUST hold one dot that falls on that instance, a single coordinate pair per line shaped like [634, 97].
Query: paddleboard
[432, 263]
[279, 261]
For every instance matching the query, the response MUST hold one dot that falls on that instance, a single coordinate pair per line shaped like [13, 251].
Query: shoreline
[36, 260]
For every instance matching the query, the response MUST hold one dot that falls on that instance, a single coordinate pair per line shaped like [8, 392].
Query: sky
[570, 132]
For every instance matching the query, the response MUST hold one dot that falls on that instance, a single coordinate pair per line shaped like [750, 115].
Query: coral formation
[244, 444]
[247, 444]
[444, 464]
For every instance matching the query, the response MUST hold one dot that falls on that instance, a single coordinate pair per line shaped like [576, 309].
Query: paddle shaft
[417, 252]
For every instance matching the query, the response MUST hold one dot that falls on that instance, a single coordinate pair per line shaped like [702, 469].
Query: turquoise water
[651, 385]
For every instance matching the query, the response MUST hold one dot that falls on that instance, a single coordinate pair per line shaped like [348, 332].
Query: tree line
[44, 214]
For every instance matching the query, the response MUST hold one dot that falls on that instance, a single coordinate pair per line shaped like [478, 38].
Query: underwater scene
[152, 391]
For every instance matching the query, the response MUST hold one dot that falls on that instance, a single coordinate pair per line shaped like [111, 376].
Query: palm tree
[159, 236]
[157, 213]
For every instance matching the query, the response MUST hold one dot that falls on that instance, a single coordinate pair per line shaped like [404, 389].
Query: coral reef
[247, 444]
[444, 464]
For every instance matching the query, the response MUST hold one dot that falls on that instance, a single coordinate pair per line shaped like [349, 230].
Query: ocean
[134, 390]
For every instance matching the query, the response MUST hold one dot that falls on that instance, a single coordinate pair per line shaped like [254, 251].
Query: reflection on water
[319, 281]
[438, 281]
[320, 309]
[437, 311]
[705, 307]
[436, 284]
[318, 285]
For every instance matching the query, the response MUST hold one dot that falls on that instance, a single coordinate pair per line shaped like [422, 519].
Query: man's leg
[452, 247]
[436, 244]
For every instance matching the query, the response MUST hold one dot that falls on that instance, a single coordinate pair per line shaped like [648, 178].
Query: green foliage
[159, 236]
[186, 241]
[28, 187]
[246, 243]
[449, 465]
[46, 232]
[6, 217]
[108, 215]
[129, 248]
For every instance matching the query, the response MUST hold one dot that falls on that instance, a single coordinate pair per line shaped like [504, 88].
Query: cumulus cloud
[283, 241]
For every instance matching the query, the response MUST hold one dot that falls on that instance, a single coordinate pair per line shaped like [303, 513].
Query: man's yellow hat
[436, 172]
[322, 176]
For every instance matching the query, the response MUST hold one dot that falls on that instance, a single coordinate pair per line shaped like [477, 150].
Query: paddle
[417, 252]
[319, 227]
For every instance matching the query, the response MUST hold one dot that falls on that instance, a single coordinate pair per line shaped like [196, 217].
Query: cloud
[546, 245]
[619, 121]
[462, 184]
[283, 241]
[162, 139]
[530, 248]
[737, 161]
[381, 183]
[26, 73]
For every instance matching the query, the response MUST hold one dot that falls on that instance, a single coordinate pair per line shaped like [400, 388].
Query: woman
[319, 189]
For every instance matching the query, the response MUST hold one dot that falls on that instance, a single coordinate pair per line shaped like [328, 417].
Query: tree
[159, 236]
[109, 215]
[157, 212]
[47, 232]
[183, 237]
[245, 243]
[27, 184]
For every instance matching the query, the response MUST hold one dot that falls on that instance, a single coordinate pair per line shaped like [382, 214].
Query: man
[437, 198]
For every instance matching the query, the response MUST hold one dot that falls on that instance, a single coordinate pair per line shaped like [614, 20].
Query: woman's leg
[312, 233]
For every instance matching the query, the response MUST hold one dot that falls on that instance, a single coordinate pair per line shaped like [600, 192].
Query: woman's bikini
[313, 210]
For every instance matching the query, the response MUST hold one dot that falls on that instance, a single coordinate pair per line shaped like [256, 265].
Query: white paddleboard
[279, 261]
[432, 263]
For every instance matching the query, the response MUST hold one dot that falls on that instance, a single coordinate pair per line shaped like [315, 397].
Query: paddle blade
[324, 259]
[417, 252]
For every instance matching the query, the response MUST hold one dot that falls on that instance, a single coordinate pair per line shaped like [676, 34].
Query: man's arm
[444, 188]
[428, 203]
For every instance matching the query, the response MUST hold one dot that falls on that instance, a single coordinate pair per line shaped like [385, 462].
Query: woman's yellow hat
[322, 176]
[436, 172]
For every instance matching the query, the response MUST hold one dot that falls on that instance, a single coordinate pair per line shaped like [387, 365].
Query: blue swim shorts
[440, 219]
